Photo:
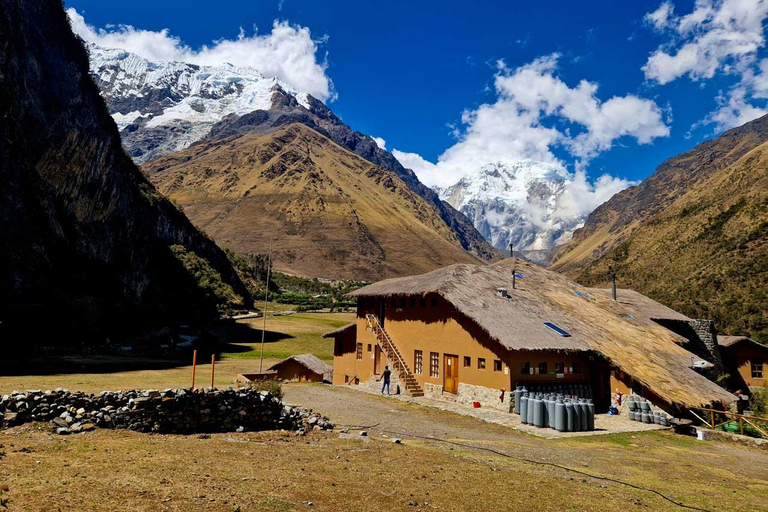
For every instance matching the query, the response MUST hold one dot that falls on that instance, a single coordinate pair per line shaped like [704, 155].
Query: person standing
[385, 377]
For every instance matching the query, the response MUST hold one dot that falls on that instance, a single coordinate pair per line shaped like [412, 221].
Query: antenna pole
[266, 297]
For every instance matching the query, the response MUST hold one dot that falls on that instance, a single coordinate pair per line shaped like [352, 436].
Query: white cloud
[380, 142]
[718, 36]
[288, 52]
[526, 121]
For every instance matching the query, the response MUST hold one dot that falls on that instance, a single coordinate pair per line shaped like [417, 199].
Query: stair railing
[381, 334]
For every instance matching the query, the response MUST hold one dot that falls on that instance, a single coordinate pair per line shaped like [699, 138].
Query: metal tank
[551, 411]
[538, 412]
[560, 416]
[576, 415]
[584, 413]
[524, 408]
[531, 400]
[590, 415]
[646, 417]
[569, 416]
[518, 393]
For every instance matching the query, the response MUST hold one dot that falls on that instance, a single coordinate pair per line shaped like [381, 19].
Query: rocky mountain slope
[516, 203]
[693, 236]
[327, 211]
[161, 107]
[89, 247]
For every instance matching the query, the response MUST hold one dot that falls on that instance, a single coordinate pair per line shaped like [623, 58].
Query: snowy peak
[161, 107]
[518, 203]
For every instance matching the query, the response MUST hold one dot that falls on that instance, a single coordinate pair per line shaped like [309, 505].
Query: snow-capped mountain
[517, 202]
[161, 107]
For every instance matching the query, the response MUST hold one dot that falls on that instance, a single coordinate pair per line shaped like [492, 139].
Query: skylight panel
[559, 330]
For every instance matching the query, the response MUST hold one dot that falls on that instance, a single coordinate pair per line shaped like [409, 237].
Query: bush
[758, 402]
[272, 386]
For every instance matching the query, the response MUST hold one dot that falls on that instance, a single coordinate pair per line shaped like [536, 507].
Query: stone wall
[487, 397]
[179, 411]
[433, 390]
[705, 331]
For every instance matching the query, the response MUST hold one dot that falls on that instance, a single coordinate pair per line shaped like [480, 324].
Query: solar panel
[558, 330]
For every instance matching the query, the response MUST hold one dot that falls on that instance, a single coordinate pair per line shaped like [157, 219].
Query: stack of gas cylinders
[640, 410]
[555, 409]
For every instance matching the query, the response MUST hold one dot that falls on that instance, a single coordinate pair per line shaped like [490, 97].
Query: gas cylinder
[583, 413]
[560, 419]
[538, 412]
[569, 419]
[524, 407]
[518, 394]
[590, 415]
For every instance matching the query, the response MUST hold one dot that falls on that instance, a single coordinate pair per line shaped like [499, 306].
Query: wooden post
[213, 367]
[741, 425]
[194, 364]
[712, 419]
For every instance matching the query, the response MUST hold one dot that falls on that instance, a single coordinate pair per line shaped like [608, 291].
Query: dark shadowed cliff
[89, 247]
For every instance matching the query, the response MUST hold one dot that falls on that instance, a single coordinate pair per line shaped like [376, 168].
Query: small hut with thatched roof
[471, 331]
[302, 368]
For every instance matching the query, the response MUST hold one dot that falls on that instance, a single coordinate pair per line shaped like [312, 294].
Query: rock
[76, 427]
[59, 422]
[87, 427]
[397, 441]
[9, 418]
[62, 431]
[363, 433]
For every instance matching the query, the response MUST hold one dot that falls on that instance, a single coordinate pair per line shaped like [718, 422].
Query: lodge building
[467, 333]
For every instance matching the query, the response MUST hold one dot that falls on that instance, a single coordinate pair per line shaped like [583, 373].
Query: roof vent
[503, 293]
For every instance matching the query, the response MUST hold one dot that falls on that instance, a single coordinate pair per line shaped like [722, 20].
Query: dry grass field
[474, 465]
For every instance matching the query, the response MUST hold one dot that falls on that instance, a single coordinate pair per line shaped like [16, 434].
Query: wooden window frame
[359, 352]
[481, 363]
[467, 361]
[545, 367]
[418, 362]
[525, 368]
[757, 369]
[497, 365]
[434, 365]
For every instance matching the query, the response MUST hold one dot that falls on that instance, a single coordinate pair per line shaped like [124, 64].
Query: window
[576, 368]
[346, 379]
[559, 367]
[481, 363]
[418, 363]
[357, 380]
[422, 302]
[359, 354]
[757, 369]
[496, 365]
[467, 361]
[434, 301]
[525, 368]
[434, 364]
[543, 368]
[369, 347]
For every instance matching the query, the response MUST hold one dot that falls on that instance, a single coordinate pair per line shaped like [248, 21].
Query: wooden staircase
[393, 354]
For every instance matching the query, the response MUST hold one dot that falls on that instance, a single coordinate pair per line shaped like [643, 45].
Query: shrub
[272, 386]
[758, 402]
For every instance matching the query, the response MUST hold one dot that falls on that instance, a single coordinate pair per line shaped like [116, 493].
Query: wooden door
[450, 373]
[377, 360]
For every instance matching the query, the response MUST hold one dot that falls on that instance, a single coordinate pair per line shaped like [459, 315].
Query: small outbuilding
[745, 361]
[302, 368]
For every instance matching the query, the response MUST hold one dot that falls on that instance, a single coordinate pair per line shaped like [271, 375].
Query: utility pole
[612, 273]
[266, 297]
[514, 264]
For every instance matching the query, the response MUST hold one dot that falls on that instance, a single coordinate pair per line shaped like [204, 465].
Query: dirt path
[680, 467]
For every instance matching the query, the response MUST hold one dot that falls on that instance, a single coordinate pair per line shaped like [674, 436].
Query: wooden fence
[715, 418]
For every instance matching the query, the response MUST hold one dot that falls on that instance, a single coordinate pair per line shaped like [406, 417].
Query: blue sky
[406, 71]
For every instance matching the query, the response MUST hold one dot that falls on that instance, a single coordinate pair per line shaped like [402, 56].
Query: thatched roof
[638, 305]
[631, 341]
[340, 330]
[309, 361]
[729, 341]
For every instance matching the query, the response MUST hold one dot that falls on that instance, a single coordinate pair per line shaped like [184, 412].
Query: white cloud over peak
[288, 52]
[534, 111]
[718, 36]
[380, 142]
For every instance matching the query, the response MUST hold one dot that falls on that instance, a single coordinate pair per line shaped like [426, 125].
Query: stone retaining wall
[177, 411]
[487, 397]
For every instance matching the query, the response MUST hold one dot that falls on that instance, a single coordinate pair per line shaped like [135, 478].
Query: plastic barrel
[590, 415]
[538, 412]
[584, 413]
[524, 408]
[569, 419]
[560, 419]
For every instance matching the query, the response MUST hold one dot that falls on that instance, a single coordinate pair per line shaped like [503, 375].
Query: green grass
[299, 333]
